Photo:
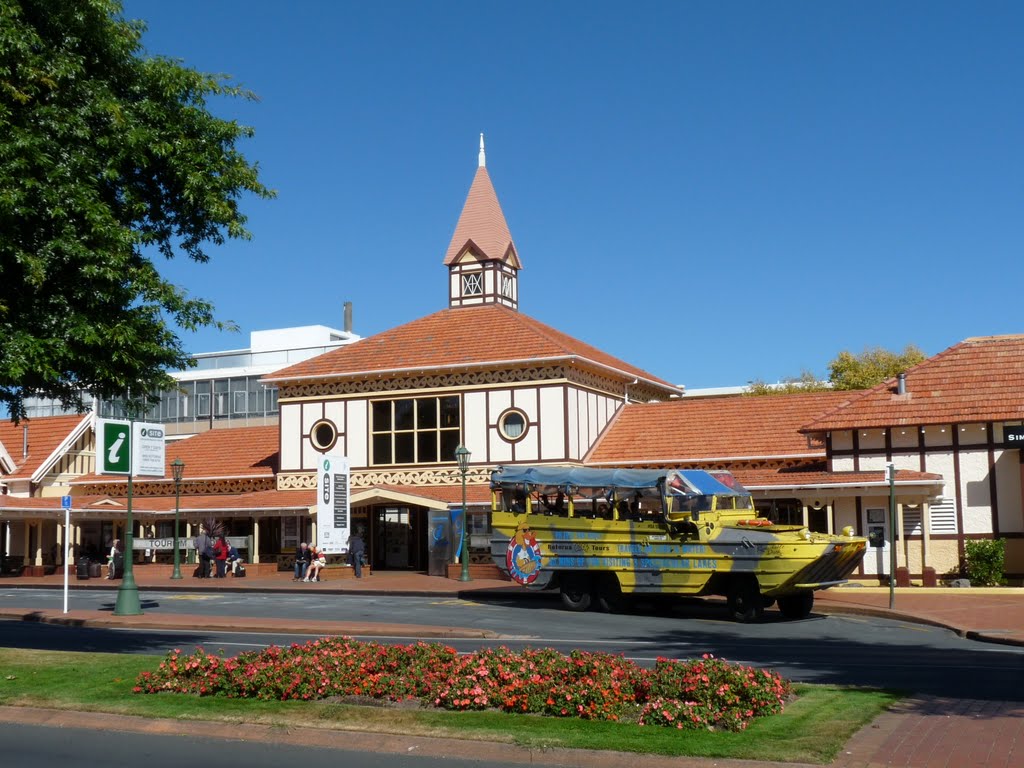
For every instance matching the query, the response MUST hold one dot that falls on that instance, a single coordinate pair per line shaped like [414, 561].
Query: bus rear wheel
[796, 606]
[576, 593]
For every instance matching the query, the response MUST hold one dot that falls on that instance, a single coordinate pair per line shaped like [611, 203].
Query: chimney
[348, 317]
[24, 442]
[901, 384]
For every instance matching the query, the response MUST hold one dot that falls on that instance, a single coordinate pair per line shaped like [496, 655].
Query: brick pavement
[933, 732]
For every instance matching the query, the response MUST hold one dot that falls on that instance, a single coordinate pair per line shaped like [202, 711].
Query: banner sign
[184, 542]
[129, 447]
[333, 514]
[1013, 437]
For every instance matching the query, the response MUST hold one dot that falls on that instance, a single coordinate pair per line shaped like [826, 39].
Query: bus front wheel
[744, 600]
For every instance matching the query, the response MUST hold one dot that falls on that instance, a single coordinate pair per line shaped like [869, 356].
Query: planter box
[159, 571]
[331, 572]
[487, 571]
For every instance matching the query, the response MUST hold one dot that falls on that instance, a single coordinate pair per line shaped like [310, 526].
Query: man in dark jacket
[204, 549]
[303, 556]
[356, 549]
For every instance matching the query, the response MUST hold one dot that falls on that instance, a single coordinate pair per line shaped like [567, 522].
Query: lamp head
[177, 469]
[462, 457]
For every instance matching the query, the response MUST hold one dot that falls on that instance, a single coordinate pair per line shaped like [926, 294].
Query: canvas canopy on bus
[688, 482]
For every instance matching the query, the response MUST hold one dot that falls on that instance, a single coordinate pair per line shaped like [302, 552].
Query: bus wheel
[796, 606]
[575, 592]
[609, 595]
[744, 600]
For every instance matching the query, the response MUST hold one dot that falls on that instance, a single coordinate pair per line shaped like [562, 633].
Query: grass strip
[812, 729]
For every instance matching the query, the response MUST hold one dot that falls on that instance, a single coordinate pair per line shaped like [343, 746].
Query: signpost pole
[892, 536]
[65, 501]
[462, 458]
[128, 593]
[177, 470]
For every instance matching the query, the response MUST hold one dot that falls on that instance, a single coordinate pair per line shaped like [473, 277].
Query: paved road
[33, 745]
[824, 649]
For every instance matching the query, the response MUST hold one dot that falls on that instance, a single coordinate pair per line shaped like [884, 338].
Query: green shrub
[704, 693]
[984, 561]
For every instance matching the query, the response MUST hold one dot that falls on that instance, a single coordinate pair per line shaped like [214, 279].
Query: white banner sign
[129, 447]
[333, 514]
[238, 542]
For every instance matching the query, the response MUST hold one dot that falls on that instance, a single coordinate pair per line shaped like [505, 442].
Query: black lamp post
[177, 470]
[462, 457]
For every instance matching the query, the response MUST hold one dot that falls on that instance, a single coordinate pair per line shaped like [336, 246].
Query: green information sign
[124, 448]
[114, 456]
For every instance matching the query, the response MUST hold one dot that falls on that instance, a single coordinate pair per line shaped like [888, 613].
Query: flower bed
[702, 693]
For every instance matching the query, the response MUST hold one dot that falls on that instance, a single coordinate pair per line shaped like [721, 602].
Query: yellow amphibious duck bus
[601, 536]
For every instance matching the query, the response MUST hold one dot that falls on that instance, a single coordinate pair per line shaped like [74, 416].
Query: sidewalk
[924, 732]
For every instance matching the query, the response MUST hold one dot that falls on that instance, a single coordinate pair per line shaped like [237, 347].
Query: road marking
[193, 597]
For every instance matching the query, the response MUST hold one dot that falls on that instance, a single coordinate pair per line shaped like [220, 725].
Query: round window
[324, 435]
[512, 425]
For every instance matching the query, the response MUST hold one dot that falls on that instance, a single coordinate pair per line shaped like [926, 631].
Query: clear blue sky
[713, 191]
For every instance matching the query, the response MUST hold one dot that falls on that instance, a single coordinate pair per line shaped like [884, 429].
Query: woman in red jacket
[220, 556]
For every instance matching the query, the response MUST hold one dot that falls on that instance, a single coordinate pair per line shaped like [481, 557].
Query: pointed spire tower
[483, 265]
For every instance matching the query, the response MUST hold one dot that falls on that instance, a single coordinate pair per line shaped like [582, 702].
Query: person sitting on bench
[319, 561]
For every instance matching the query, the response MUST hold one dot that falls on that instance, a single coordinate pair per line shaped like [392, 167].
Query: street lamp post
[462, 457]
[178, 471]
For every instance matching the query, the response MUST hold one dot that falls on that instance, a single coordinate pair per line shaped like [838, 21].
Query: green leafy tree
[871, 367]
[108, 158]
[805, 382]
[846, 371]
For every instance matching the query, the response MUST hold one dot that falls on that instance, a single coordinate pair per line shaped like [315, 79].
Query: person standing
[356, 550]
[204, 548]
[113, 557]
[303, 557]
[220, 556]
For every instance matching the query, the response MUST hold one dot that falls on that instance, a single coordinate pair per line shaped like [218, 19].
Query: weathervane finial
[483, 157]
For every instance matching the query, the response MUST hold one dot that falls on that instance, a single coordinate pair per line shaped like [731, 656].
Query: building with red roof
[480, 374]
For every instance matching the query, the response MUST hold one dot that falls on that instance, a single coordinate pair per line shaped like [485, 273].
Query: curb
[983, 636]
[338, 628]
[478, 752]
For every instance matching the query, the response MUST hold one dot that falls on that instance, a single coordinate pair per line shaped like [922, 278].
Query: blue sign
[457, 521]
[65, 502]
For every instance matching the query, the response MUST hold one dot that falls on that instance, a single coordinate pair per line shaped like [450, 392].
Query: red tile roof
[489, 336]
[705, 428]
[978, 379]
[242, 502]
[483, 224]
[818, 475]
[218, 453]
[44, 437]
